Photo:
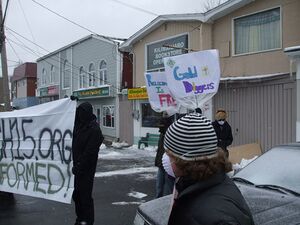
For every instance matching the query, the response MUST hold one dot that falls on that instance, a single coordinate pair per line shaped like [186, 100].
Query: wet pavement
[116, 197]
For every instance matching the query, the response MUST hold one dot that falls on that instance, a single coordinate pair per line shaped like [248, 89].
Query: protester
[203, 193]
[198, 110]
[87, 138]
[164, 182]
[223, 130]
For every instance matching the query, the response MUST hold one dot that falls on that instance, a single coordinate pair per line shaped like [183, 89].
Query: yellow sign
[137, 93]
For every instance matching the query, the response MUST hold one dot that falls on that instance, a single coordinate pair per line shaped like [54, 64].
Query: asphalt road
[116, 197]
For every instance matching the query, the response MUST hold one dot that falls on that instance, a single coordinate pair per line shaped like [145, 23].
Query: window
[108, 116]
[150, 118]
[44, 77]
[102, 73]
[98, 116]
[52, 75]
[257, 32]
[66, 74]
[82, 80]
[92, 75]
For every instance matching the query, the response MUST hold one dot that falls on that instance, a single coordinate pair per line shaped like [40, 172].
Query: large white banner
[193, 78]
[36, 150]
[159, 94]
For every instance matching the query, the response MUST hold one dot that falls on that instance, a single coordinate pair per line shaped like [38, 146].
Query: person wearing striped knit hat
[203, 193]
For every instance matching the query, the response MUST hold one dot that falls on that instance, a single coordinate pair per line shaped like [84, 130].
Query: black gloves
[76, 169]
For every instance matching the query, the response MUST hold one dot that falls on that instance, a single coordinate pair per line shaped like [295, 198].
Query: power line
[106, 37]
[136, 8]
[58, 60]
[13, 49]
[27, 21]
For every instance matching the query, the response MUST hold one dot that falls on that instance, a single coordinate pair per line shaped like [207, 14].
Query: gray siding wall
[262, 112]
[46, 64]
[94, 51]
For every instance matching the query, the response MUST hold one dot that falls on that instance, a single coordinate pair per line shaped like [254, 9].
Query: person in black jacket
[164, 182]
[87, 138]
[204, 194]
[223, 130]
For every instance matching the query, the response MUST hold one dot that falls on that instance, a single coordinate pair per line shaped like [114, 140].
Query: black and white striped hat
[192, 137]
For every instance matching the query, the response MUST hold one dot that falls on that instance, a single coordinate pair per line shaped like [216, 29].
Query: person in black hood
[87, 138]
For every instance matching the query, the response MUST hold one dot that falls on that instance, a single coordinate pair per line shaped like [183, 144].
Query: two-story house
[257, 80]
[23, 85]
[89, 69]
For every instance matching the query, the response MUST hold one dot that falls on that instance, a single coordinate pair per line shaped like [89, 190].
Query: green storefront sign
[96, 92]
[43, 92]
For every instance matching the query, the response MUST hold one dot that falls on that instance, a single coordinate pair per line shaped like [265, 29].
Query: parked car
[270, 184]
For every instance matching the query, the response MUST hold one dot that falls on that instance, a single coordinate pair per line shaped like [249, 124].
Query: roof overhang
[293, 52]
[99, 37]
[157, 22]
[253, 78]
[208, 17]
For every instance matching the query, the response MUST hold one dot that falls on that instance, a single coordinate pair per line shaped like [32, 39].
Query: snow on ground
[127, 171]
[126, 152]
[136, 194]
[121, 151]
[128, 203]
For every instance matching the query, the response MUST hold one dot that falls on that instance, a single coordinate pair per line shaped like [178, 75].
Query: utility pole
[7, 106]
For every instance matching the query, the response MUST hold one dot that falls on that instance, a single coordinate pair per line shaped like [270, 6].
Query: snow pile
[103, 146]
[109, 155]
[127, 171]
[238, 166]
[120, 145]
[136, 194]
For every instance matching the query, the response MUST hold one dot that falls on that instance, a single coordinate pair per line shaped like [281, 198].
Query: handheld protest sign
[193, 78]
[36, 150]
[159, 94]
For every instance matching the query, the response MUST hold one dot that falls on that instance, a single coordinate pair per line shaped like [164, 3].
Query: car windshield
[279, 166]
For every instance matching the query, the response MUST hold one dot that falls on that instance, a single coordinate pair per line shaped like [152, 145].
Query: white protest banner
[159, 94]
[36, 150]
[193, 78]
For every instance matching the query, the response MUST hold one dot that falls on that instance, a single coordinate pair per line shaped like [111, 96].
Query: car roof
[269, 206]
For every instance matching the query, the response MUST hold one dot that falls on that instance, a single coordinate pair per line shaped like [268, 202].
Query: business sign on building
[158, 50]
[47, 91]
[137, 93]
[92, 93]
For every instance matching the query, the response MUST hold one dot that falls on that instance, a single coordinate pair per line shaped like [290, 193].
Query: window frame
[82, 78]
[250, 14]
[43, 78]
[155, 114]
[66, 69]
[52, 75]
[113, 121]
[92, 75]
[102, 73]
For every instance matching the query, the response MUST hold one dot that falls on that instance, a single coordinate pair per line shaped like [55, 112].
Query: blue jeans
[164, 183]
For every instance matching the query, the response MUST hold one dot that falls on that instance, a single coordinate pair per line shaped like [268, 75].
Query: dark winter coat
[87, 138]
[163, 127]
[224, 134]
[216, 201]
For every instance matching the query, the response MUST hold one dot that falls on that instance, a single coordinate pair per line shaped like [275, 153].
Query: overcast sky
[29, 19]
